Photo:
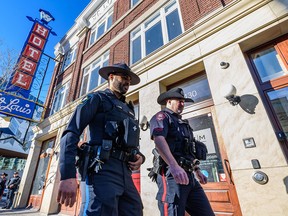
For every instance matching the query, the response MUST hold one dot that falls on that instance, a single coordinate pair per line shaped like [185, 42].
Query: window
[91, 78]
[60, 98]
[134, 2]
[156, 31]
[101, 27]
[70, 56]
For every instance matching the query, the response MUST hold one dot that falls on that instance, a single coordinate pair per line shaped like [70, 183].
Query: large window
[270, 63]
[156, 31]
[101, 26]
[91, 78]
[60, 98]
[134, 2]
[70, 57]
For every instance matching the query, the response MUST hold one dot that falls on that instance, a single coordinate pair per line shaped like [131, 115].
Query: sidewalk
[20, 212]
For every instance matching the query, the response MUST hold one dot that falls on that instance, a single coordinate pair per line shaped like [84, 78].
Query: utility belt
[187, 164]
[91, 158]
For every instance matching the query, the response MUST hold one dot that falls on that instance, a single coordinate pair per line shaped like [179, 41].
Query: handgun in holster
[157, 165]
[83, 154]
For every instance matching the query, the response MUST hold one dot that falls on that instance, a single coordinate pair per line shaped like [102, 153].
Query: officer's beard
[120, 87]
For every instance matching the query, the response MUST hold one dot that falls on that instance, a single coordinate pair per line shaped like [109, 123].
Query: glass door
[220, 188]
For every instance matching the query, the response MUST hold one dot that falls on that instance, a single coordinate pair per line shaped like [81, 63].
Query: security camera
[224, 65]
[144, 124]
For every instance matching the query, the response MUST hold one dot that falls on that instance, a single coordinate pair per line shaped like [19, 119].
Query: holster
[157, 165]
[83, 154]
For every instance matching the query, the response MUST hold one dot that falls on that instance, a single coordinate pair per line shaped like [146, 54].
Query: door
[220, 188]
[41, 175]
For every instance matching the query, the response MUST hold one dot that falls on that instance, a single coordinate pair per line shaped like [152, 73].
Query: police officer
[178, 190]
[12, 186]
[114, 139]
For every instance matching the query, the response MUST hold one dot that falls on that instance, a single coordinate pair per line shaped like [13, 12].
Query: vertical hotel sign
[14, 99]
[28, 62]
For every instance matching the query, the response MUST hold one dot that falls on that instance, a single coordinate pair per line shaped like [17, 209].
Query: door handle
[228, 168]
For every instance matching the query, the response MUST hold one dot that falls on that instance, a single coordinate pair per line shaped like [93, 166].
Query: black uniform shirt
[84, 115]
[169, 124]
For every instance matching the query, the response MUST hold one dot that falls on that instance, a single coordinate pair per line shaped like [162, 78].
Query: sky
[15, 27]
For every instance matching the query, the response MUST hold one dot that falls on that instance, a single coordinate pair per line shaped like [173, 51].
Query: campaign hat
[175, 93]
[122, 68]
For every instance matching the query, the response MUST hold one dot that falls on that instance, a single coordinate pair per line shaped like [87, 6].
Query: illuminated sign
[23, 76]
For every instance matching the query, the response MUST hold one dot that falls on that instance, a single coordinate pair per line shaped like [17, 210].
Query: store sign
[26, 67]
[16, 106]
[205, 136]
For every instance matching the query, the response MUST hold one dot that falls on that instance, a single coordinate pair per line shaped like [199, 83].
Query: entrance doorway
[39, 181]
[220, 188]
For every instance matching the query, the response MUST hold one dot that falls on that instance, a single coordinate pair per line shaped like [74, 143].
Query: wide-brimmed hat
[119, 68]
[5, 174]
[175, 93]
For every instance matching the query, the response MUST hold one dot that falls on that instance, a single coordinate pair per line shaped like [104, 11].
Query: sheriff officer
[178, 188]
[114, 140]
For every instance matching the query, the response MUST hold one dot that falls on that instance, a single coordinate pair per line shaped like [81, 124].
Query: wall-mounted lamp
[224, 65]
[229, 92]
[144, 123]
[50, 152]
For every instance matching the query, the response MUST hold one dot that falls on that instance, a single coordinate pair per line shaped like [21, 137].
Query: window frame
[71, 52]
[60, 104]
[159, 15]
[94, 29]
[100, 61]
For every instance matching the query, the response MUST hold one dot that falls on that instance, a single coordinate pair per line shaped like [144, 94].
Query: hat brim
[105, 71]
[166, 96]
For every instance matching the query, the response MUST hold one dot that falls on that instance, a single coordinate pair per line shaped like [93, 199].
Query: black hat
[119, 68]
[176, 93]
[5, 174]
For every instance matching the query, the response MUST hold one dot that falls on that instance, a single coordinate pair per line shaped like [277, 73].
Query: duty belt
[120, 155]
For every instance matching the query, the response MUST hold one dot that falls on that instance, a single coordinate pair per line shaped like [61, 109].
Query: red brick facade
[191, 10]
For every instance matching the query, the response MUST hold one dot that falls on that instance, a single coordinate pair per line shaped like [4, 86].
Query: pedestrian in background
[12, 186]
[3, 179]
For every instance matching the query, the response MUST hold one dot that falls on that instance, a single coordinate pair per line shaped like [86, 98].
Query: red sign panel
[32, 53]
[22, 80]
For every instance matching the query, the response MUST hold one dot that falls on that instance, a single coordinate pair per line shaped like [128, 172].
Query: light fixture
[224, 65]
[229, 92]
[144, 123]
[50, 152]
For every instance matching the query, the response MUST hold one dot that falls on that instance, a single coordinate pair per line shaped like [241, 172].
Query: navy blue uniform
[174, 199]
[111, 190]
[12, 186]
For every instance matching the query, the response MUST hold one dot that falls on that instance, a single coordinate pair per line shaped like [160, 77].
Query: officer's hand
[179, 174]
[136, 164]
[201, 177]
[67, 192]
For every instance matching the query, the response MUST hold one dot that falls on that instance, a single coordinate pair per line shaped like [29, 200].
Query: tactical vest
[120, 124]
[180, 137]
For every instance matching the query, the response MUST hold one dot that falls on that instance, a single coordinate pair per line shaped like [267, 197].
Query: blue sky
[15, 27]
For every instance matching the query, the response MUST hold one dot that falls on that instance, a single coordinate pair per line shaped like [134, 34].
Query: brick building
[210, 48]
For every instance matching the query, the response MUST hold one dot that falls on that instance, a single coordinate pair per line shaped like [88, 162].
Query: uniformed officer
[178, 188]
[114, 140]
[12, 185]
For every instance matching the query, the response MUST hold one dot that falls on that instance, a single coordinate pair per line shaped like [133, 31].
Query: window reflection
[268, 64]
[203, 129]
[279, 100]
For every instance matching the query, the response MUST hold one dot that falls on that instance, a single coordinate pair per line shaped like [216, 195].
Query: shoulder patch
[160, 116]
[85, 99]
